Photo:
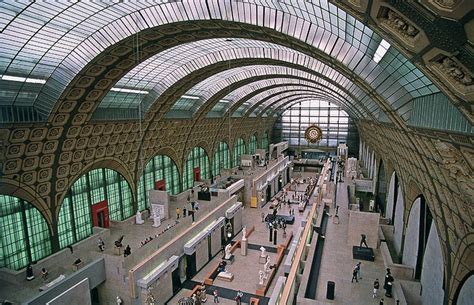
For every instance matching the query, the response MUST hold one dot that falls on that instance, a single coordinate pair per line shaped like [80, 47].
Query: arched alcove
[392, 197]
[465, 293]
[432, 273]
[94, 198]
[24, 233]
[416, 236]
[221, 158]
[196, 167]
[160, 173]
[381, 190]
[252, 144]
[398, 220]
[239, 150]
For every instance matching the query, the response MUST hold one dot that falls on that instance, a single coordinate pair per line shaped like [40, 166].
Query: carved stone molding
[454, 9]
[409, 34]
[449, 69]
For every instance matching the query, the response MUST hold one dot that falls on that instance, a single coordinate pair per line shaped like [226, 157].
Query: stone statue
[261, 276]
[244, 233]
[119, 300]
[266, 267]
[150, 298]
[228, 254]
[156, 219]
[138, 218]
[264, 251]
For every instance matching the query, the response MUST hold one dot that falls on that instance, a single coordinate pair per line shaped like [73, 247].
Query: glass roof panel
[55, 41]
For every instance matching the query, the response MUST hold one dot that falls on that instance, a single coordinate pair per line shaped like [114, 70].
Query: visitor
[127, 251]
[238, 298]
[216, 296]
[381, 302]
[184, 211]
[354, 276]
[263, 217]
[357, 267]
[29, 273]
[363, 240]
[44, 274]
[388, 283]
[178, 211]
[101, 245]
[376, 288]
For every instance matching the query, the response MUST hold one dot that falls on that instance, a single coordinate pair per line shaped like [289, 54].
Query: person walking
[359, 272]
[354, 276]
[178, 211]
[388, 282]
[184, 211]
[238, 298]
[44, 274]
[376, 288]
[216, 296]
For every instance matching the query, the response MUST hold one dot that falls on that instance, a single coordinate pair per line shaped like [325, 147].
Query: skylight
[125, 90]
[23, 79]
[381, 50]
[190, 97]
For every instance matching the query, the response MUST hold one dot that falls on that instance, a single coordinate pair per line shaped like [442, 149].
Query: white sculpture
[119, 300]
[156, 219]
[244, 233]
[228, 254]
[138, 218]
[264, 251]
[261, 275]
[266, 267]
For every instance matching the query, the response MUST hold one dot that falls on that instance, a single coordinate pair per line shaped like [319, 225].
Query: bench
[195, 289]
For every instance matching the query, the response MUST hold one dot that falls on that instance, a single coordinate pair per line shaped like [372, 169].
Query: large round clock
[313, 134]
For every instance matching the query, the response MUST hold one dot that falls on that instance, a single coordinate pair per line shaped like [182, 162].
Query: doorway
[269, 193]
[100, 214]
[197, 174]
[191, 266]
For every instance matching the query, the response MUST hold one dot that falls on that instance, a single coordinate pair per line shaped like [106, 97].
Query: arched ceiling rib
[324, 26]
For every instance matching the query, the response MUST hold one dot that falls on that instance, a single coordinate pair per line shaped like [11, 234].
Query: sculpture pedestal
[243, 247]
[362, 253]
[229, 260]
[262, 259]
[118, 251]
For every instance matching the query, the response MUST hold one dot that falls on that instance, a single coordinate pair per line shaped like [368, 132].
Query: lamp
[228, 230]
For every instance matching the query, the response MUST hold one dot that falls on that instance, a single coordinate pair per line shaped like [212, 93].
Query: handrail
[286, 296]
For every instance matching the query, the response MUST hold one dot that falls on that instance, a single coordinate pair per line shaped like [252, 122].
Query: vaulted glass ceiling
[54, 41]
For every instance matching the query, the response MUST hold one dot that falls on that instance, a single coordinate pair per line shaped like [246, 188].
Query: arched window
[221, 158]
[252, 144]
[159, 171]
[196, 168]
[96, 187]
[24, 233]
[239, 150]
[264, 141]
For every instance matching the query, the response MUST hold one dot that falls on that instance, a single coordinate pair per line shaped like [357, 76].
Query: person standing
[44, 274]
[376, 288]
[381, 302]
[216, 296]
[238, 298]
[178, 211]
[354, 276]
[359, 272]
[101, 245]
[388, 282]
[363, 241]
[184, 211]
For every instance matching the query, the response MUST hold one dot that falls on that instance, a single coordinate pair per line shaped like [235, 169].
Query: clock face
[313, 134]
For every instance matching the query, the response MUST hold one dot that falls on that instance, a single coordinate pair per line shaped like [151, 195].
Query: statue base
[262, 259]
[229, 260]
[366, 254]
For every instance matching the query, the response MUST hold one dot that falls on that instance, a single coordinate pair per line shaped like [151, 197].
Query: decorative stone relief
[457, 75]
[458, 169]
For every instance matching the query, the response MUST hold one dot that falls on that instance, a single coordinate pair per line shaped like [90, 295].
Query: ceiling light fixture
[23, 79]
[191, 97]
[129, 90]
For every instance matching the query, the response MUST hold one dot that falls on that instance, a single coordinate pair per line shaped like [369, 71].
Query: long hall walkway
[337, 263]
